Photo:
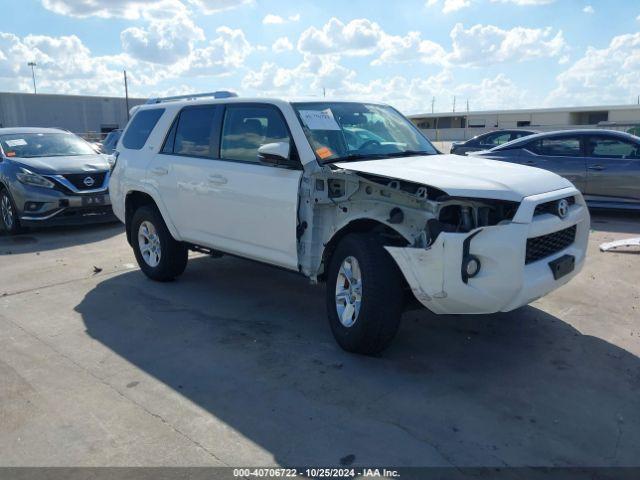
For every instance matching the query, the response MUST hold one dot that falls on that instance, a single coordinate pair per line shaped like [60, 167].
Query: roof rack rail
[218, 94]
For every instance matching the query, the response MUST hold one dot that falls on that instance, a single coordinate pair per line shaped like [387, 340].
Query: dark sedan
[603, 164]
[488, 140]
[51, 177]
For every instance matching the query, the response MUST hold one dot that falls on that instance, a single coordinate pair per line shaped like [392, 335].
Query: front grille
[541, 247]
[552, 207]
[78, 180]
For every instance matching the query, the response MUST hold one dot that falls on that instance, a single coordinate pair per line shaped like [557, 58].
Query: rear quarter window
[141, 127]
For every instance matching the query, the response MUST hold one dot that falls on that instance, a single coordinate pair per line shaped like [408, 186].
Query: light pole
[33, 75]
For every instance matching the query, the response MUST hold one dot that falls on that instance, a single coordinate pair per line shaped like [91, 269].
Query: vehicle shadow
[44, 239]
[615, 221]
[251, 346]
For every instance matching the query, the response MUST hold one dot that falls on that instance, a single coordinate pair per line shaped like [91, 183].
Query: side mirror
[275, 154]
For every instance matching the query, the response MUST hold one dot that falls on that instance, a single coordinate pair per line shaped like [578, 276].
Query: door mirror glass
[276, 153]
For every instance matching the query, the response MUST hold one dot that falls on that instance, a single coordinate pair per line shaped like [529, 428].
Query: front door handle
[596, 167]
[159, 171]
[217, 179]
[530, 162]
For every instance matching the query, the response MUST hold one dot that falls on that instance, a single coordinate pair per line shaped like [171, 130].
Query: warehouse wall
[79, 114]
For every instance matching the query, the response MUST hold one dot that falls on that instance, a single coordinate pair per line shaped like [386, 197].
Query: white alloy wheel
[149, 244]
[349, 291]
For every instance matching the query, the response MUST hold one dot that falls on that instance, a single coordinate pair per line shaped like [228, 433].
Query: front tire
[364, 295]
[8, 213]
[159, 255]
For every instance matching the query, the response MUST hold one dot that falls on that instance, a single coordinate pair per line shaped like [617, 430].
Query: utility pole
[433, 104]
[454, 104]
[33, 75]
[324, 92]
[126, 93]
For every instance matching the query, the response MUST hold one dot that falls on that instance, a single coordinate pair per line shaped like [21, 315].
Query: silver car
[51, 177]
[603, 164]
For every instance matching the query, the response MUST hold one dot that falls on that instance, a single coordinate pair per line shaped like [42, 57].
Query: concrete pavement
[234, 364]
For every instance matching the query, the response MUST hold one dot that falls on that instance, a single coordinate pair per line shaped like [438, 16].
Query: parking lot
[234, 364]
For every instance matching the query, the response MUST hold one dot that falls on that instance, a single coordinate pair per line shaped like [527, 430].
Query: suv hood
[70, 164]
[464, 176]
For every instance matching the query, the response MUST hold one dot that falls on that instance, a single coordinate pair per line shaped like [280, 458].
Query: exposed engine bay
[403, 213]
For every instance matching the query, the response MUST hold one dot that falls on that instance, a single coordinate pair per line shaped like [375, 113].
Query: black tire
[15, 227]
[173, 254]
[382, 297]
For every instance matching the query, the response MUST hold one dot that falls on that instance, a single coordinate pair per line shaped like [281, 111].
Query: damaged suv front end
[469, 236]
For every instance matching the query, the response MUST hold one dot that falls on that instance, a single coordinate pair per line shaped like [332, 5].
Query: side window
[610, 147]
[247, 128]
[556, 147]
[516, 135]
[141, 127]
[195, 133]
[500, 139]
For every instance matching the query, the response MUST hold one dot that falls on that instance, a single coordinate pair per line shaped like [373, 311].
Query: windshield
[31, 145]
[342, 131]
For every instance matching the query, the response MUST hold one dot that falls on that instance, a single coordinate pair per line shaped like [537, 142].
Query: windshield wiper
[354, 157]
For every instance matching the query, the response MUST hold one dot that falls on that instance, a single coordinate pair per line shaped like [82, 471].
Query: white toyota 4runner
[348, 193]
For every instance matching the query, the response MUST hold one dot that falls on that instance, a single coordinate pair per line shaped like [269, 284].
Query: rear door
[563, 155]
[613, 169]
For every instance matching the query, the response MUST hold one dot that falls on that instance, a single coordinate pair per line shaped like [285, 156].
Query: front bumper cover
[504, 282]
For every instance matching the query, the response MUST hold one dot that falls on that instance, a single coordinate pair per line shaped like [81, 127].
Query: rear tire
[159, 255]
[364, 310]
[8, 213]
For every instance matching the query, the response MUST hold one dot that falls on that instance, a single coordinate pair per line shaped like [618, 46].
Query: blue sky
[493, 53]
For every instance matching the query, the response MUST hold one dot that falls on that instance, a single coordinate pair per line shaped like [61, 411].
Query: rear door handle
[217, 179]
[596, 167]
[159, 171]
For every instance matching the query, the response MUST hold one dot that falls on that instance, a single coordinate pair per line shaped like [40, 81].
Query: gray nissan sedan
[51, 177]
[603, 164]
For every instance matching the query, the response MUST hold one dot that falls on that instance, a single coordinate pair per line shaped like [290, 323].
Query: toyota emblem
[563, 208]
[89, 181]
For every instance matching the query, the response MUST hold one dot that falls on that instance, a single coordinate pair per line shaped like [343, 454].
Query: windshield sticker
[16, 142]
[324, 152]
[319, 119]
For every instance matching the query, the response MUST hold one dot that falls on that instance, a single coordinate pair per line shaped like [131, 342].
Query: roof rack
[217, 95]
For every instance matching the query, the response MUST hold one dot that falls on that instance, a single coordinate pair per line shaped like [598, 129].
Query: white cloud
[473, 46]
[282, 44]
[209, 7]
[271, 19]
[358, 37]
[449, 6]
[588, 9]
[221, 56]
[163, 41]
[129, 9]
[605, 75]
[487, 44]
[525, 2]
[397, 49]
[135, 9]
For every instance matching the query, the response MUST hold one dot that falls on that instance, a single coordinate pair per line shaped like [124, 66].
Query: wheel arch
[389, 234]
[138, 198]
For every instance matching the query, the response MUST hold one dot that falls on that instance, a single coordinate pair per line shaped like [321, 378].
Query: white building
[463, 125]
